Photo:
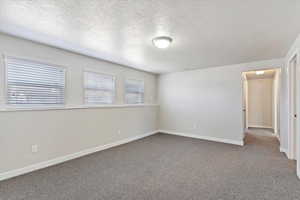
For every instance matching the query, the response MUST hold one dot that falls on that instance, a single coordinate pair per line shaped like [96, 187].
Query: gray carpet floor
[166, 167]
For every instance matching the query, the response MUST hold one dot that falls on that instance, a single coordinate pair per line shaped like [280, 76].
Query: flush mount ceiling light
[162, 42]
[260, 72]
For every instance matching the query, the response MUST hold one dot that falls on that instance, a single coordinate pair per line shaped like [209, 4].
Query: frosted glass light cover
[162, 42]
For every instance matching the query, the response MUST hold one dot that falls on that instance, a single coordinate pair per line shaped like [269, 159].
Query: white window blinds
[134, 91]
[32, 83]
[99, 88]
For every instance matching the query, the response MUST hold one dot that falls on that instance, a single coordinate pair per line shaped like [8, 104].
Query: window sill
[15, 109]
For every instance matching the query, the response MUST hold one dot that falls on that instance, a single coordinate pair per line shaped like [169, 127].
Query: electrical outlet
[119, 132]
[34, 148]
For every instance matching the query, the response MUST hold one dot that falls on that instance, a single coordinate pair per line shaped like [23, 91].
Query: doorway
[261, 100]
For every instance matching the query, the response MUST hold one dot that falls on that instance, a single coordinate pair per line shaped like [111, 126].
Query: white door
[293, 108]
[245, 96]
[294, 136]
[295, 105]
[297, 111]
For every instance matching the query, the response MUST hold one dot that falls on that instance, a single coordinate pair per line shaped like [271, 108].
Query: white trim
[209, 138]
[258, 126]
[277, 136]
[16, 109]
[286, 153]
[245, 102]
[291, 99]
[55, 161]
[283, 150]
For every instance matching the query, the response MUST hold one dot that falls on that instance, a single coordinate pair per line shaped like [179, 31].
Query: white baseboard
[283, 150]
[55, 161]
[258, 126]
[209, 138]
[286, 152]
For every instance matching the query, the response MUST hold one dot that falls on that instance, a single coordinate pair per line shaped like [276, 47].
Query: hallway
[263, 141]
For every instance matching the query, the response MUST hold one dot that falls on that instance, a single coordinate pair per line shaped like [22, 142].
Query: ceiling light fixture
[162, 42]
[260, 72]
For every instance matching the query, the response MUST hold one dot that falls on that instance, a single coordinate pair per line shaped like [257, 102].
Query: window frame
[84, 89]
[32, 106]
[134, 79]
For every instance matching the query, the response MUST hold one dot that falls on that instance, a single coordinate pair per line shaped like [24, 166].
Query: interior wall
[65, 131]
[206, 102]
[260, 103]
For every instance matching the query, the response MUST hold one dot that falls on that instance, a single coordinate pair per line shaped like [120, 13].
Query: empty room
[149, 100]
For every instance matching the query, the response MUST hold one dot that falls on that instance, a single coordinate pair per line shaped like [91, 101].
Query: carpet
[167, 167]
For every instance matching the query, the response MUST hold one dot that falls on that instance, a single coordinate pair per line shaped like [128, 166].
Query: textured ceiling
[206, 33]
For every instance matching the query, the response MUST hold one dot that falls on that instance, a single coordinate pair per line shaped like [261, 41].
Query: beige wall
[61, 132]
[260, 103]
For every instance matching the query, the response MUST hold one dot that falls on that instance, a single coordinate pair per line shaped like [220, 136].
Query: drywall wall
[61, 132]
[206, 102]
[260, 102]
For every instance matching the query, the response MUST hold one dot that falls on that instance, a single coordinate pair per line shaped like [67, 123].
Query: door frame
[245, 93]
[292, 71]
[292, 147]
[245, 102]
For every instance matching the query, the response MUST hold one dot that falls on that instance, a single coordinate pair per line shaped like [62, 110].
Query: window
[99, 88]
[134, 91]
[31, 83]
